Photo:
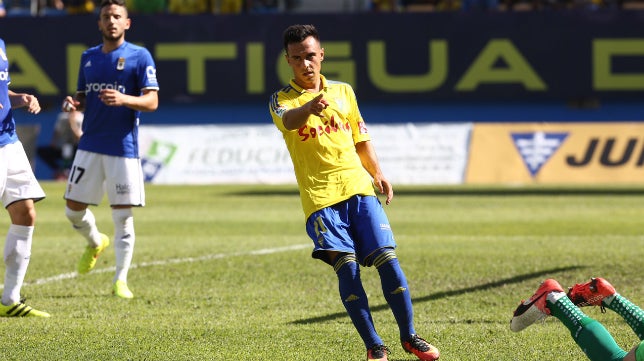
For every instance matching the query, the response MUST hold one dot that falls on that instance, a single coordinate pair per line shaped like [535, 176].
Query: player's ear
[322, 54]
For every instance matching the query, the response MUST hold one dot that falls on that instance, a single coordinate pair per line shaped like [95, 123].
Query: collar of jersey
[301, 90]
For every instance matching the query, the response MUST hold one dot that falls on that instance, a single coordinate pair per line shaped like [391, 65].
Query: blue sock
[396, 291]
[355, 300]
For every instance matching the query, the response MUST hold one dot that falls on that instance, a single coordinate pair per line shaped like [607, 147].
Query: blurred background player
[190, 7]
[146, 6]
[591, 336]
[59, 153]
[336, 170]
[19, 190]
[116, 82]
[79, 7]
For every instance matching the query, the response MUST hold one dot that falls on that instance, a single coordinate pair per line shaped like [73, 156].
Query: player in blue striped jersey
[116, 82]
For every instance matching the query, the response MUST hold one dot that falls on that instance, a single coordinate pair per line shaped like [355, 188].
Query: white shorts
[17, 180]
[92, 174]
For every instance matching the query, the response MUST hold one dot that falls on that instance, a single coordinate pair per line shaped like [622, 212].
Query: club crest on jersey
[121, 64]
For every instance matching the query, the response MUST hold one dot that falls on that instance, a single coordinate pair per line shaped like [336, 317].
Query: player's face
[305, 59]
[113, 22]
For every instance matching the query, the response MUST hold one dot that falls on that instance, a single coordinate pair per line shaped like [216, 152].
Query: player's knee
[74, 216]
[22, 213]
[345, 260]
[381, 256]
[122, 216]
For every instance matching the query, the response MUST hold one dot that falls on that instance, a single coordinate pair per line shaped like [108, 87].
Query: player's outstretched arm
[295, 118]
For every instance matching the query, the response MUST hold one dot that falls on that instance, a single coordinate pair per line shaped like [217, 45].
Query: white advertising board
[255, 154]
[422, 153]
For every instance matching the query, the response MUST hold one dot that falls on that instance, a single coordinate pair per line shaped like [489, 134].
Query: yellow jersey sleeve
[327, 168]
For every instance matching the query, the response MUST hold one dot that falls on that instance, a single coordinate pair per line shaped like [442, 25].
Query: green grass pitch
[223, 272]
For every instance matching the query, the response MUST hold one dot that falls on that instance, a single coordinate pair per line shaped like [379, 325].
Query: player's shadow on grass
[439, 295]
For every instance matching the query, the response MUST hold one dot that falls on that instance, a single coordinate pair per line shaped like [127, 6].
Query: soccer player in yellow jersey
[337, 170]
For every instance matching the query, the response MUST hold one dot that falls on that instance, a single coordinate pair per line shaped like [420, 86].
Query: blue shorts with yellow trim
[358, 225]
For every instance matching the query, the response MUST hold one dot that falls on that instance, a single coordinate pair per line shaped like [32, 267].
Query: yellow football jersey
[327, 168]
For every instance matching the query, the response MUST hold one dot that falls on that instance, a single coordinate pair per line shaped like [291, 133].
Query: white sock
[84, 223]
[123, 241]
[608, 300]
[553, 297]
[17, 250]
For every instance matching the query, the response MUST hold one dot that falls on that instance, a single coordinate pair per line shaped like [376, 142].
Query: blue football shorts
[358, 225]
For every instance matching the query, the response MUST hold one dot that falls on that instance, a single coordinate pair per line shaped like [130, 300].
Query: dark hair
[297, 34]
[105, 3]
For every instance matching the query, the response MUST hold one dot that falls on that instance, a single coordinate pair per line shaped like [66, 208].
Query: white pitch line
[259, 252]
